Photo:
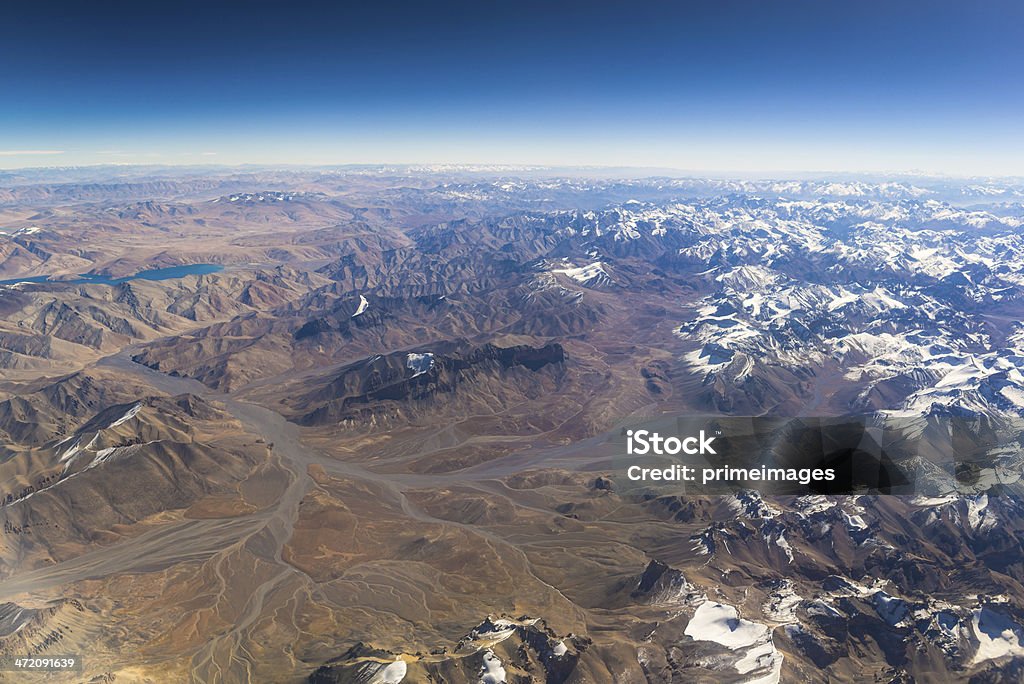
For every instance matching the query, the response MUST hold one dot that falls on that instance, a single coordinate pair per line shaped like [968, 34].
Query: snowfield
[997, 635]
[591, 274]
[392, 673]
[720, 623]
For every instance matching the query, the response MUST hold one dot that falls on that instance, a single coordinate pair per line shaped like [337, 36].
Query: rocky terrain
[367, 448]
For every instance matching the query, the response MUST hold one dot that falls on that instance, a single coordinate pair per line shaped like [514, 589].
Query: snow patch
[929, 501]
[855, 522]
[720, 623]
[591, 274]
[782, 604]
[492, 671]
[392, 673]
[132, 412]
[783, 544]
[419, 363]
[363, 304]
[891, 609]
[71, 451]
[979, 517]
[997, 635]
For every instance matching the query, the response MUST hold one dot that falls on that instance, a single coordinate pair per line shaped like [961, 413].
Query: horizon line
[484, 166]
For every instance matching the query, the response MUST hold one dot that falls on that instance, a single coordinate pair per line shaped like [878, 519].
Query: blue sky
[718, 85]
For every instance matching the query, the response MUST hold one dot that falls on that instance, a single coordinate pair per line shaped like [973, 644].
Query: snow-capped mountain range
[914, 302]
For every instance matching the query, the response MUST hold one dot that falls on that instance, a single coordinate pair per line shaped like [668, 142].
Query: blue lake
[169, 273]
